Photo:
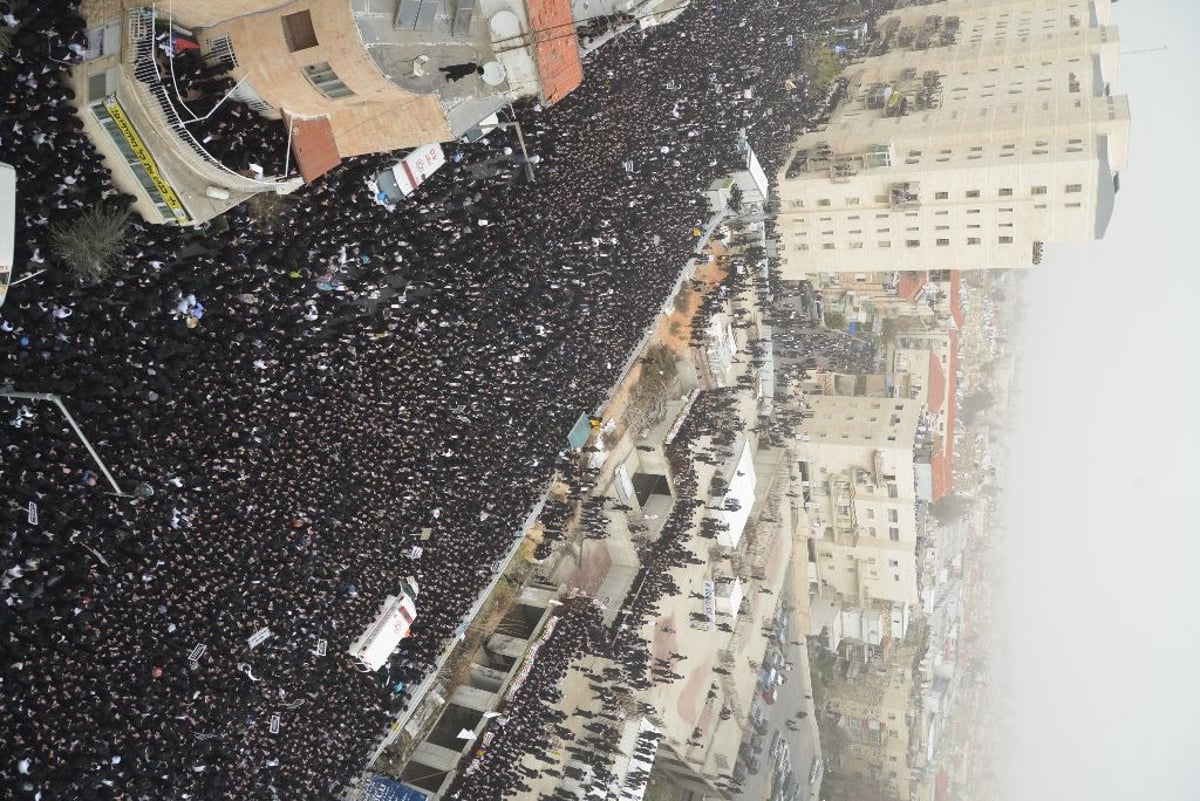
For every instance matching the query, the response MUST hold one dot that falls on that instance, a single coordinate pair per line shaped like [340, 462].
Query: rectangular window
[972, 240]
[823, 201]
[827, 246]
[1074, 188]
[1005, 192]
[941, 243]
[894, 534]
[298, 31]
[326, 81]
[893, 516]
[1006, 240]
[883, 243]
[941, 195]
[912, 243]
[972, 193]
[851, 201]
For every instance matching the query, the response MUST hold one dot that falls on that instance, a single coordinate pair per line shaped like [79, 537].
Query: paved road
[802, 744]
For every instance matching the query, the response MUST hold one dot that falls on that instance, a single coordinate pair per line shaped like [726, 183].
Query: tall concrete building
[861, 495]
[975, 132]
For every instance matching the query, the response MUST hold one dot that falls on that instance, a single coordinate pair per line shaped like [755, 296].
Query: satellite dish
[504, 25]
[494, 73]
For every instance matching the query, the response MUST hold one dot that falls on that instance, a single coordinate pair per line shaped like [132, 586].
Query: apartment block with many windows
[978, 132]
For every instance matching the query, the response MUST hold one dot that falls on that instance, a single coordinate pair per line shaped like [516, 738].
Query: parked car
[753, 764]
[739, 772]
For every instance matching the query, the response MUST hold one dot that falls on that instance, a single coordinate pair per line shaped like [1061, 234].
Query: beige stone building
[857, 462]
[978, 131]
[344, 77]
[871, 708]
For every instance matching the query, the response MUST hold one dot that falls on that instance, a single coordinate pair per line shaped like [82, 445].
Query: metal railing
[149, 89]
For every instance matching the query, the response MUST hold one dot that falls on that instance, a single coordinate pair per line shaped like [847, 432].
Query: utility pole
[57, 401]
[520, 140]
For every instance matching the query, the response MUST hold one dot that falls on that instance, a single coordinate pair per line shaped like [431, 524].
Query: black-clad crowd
[297, 439]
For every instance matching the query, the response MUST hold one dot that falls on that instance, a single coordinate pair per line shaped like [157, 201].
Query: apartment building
[976, 132]
[343, 77]
[869, 712]
[857, 459]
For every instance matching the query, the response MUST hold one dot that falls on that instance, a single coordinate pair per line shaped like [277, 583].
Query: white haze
[1102, 541]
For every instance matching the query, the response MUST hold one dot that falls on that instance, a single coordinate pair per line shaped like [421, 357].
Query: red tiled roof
[936, 385]
[314, 147]
[555, 49]
[956, 299]
[910, 284]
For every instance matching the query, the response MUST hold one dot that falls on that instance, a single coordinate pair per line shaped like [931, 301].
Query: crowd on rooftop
[296, 440]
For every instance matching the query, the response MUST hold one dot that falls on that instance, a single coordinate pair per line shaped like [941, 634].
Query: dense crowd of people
[297, 440]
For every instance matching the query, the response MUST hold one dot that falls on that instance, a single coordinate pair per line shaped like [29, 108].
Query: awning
[313, 145]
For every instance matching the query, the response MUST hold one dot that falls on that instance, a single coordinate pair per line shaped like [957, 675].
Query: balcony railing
[151, 91]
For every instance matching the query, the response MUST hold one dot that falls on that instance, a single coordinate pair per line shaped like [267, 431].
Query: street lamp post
[57, 401]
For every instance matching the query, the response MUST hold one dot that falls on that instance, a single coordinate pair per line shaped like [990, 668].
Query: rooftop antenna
[1143, 50]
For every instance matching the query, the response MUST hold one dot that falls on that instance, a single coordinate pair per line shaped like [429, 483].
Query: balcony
[150, 89]
[905, 195]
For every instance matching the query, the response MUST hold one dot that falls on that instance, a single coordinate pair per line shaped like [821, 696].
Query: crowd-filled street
[297, 439]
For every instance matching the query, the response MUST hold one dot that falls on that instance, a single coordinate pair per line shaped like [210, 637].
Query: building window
[912, 243]
[856, 245]
[893, 516]
[972, 193]
[326, 81]
[893, 563]
[941, 195]
[851, 201]
[827, 246]
[1005, 192]
[894, 534]
[298, 31]
[1006, 240]
[1074, 187]
[941, 243]
[823, 201]
[972, 240]
[883, 243]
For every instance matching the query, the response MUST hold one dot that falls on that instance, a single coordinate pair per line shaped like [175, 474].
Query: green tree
[975, 405]
[90, 245]
[835, 320]
[950, 508]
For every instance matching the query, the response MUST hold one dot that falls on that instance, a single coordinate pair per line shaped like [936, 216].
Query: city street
[768, 784]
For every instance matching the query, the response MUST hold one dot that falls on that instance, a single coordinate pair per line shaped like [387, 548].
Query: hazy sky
[1103, 545]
